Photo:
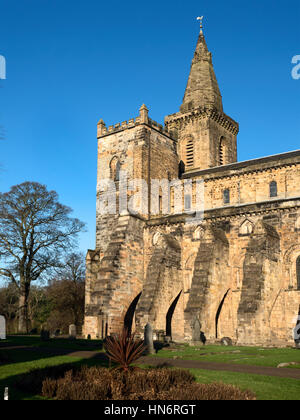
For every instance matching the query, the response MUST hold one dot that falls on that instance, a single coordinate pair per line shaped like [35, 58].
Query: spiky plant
[124, 349]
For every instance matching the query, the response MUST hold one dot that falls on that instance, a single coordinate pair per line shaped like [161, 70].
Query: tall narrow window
[226, 196]
[118, 168]
[115, 168]
[187, 202]
[160, 204]
[190, 154]
[298, 272]
[273, 189]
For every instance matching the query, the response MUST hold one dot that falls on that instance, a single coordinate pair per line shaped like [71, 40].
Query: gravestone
[45, 335]
[203, 338]
[148, 339]
[226, 341]
[196, 331]
[167, 339]
[2, 328]
[72, 331]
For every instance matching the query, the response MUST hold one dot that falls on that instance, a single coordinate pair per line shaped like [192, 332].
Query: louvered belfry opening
[190, 154]
[221, 152]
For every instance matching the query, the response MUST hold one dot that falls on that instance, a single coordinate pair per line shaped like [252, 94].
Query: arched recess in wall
[170, 315]
[291, 265]
[219, 312]
[115, 167]
[181, 169]
[128, 319]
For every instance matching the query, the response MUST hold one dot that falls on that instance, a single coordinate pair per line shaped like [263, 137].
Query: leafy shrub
[124, 349]
[205, 392]
[49, 387]
[151, 384]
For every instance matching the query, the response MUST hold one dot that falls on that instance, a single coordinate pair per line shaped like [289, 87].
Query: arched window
[115, 168]
[298, 272]
[226, 196]
[181, 169]
[222, 151]
[189, 154]
[273, 189]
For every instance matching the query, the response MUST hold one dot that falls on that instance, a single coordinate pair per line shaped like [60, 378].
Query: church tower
[206, 135]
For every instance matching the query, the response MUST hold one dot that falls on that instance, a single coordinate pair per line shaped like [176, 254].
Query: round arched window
[115, 168]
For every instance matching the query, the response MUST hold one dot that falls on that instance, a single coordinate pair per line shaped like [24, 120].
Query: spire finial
[201, 23]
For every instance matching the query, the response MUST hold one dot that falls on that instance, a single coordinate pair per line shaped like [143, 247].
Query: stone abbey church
[237, 273]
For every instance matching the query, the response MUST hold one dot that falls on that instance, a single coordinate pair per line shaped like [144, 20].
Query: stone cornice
[237, 169]
[205, 112]
[228, 213]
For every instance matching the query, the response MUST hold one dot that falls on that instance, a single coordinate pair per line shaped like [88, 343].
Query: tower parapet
[143, 118]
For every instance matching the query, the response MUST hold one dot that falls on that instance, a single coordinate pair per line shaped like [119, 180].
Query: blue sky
[70, 63]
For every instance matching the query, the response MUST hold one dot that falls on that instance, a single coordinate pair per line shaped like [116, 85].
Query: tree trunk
[23, 310]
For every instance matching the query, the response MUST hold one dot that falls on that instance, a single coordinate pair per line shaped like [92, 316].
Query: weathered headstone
[167, 339]
[196, 330]
[148, 339]
[203, 338]
[45, 335]
[226, 341]
[72, 331]
[2, 328]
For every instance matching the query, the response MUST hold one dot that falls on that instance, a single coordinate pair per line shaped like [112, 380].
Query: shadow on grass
[57, 342]
[17, 350]
[29, 349]
[29, 385]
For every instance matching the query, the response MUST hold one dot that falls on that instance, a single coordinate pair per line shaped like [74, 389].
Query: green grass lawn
[264, 387]
[37, 355]
[237, 355]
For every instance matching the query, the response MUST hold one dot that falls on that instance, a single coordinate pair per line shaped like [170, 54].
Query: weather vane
[201, 23]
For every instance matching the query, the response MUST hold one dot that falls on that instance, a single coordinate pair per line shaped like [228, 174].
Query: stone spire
[202, 87]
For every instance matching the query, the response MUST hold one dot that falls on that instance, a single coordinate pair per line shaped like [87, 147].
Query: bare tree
[67, 292]
[35, 232]
[9, 304]
[73, 268]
